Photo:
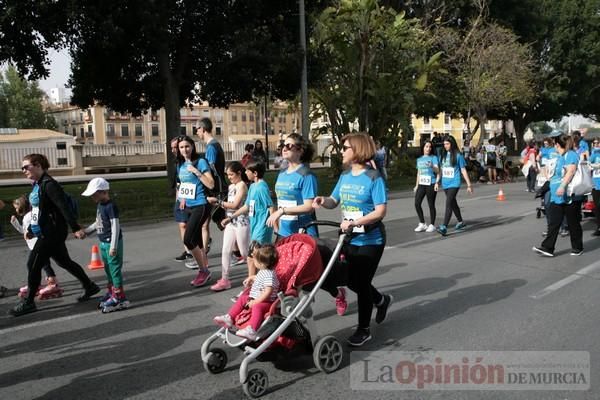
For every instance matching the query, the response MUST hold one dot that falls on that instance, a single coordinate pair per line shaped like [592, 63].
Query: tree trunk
[520, 124]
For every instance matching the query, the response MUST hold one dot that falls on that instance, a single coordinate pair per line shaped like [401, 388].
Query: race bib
[596, 173]
[187, 191]
[353, 216]
[287, 204]
[425, 180]
[540, 180]
[251, 208]
[550, 166]
[448, 172]
[35, 215]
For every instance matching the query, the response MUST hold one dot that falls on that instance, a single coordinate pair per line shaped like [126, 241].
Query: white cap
[95, 185]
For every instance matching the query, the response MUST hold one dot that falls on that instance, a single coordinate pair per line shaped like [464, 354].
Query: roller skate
[115, 304]
[107, 296]
[51, 291]
[23, 291]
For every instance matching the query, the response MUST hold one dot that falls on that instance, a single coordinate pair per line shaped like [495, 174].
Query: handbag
[582, 180]
[218, 215]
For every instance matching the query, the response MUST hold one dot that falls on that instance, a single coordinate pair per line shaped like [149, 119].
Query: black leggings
[596, 197]
[47, 268]
[44, 249]
[451, 205]
[423, 190]
[531, 178]
[362, 264]
[193, 229]
[573, 214]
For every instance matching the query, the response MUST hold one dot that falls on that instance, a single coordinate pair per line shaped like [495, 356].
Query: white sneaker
[191, 264]
[421, 227]
[223, 321]
[430, 228]
[248, 333]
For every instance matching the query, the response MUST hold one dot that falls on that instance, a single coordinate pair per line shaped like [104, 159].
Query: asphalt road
[480, 290]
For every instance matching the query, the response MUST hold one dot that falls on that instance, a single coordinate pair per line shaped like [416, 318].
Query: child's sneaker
[442, 230]
[222, 284]
[460, 226]
[421, 227]
[430, 228]
[192, 264]
[201, 279]
[340, 301]
[224, 321]
[115, 304]
[50, 291]
[237, 260]
[247, 333]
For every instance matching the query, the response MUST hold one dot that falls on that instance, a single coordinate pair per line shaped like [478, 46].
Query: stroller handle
[335, 224]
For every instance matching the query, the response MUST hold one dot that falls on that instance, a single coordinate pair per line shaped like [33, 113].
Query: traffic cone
[500, 196]
[96, 262]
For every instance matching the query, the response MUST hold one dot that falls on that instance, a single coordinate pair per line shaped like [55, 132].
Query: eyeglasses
[290, 146]
[26, 167]
[346, 147]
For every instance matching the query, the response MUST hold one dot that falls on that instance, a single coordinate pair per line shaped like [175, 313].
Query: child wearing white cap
[111, 244]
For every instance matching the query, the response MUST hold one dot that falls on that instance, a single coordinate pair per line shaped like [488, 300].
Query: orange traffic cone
[95, 263]
[500, 196]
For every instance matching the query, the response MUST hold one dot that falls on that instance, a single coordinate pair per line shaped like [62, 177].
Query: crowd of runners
[236, 199]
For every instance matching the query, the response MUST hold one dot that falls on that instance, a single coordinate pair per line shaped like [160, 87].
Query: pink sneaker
[340, 301]
[222, 284]
[201, 279]
[223, 321]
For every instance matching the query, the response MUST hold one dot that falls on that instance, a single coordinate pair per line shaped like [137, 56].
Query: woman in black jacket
[52, 216]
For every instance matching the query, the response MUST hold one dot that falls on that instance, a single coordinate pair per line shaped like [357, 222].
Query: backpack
[72, 205]
[218, 171]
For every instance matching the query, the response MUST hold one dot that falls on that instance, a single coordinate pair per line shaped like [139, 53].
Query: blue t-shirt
[547, 153]
[451, 173]
[583, 147]
[34, 200]
[104, 213]
[211, 152]
[292, 188]
[569, 158]
[191, 180]
[358, 196]
[258, 202]
[595, 159]
[425, 166]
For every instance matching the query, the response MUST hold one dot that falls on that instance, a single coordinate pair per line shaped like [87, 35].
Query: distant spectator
[381, 159]
[259, 154]
[247, 157]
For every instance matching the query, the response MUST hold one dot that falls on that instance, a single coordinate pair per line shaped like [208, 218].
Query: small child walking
[23, 209]
[111, 244]
[262, 293]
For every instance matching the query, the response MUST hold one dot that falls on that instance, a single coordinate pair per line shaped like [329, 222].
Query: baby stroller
[289, 322]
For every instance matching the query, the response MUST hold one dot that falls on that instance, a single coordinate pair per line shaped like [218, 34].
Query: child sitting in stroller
[260, 297]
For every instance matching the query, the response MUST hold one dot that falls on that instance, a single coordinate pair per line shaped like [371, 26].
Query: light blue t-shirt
[292, 188]
[595, 159]
[358, 196]
[258, 202]
[583, 147]
[186, 177]
[451, 173]
[34, 200]
[211, 152]
[569, 158]
[425, 166]
[547, 153]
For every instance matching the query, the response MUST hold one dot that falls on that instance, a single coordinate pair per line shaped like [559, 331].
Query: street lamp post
[304, 79]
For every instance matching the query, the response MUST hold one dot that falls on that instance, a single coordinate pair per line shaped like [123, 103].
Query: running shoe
[596, 233]
[222, 284]
[192, 264]
[91, 290]
[23, 308]
[115, 304]
[359, 337]
[564, 232]
[460, 226]
[430, 228]
[421, 227]
[201, 279]
[576, 252]
[545, 233]
[442, 230]
[340, 301]
[185, 256]
[224, 321]
[237, 260]
[247, 333]
[542, 251]
[383, 308]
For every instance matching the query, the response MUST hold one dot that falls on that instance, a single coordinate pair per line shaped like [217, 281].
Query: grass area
[149, 199]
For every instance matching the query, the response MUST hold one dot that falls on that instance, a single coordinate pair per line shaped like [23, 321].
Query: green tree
[377, 61]
[21, 103]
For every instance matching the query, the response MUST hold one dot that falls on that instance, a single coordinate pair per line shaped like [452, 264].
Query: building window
[426, 121]
[138, 130]
[244, 131]
[125, 130]
[111, 142]
[155, 130]
[139, 142]
[183, 130]
[110, 130]
[233, 116]
[234, 130]
[251, 116]
[446, 119]
[251, 129]
[243, 116]
[218, 131]
[125, 142]
[219, 116]
[62, 161]
[90, 132]
[80, 117]
[61, 145]
[82, 132]
[74, 132]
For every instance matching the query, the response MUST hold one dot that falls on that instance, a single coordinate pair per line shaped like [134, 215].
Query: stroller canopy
[299, 262]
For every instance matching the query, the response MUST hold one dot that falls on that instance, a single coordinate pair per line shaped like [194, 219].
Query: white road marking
[564, 282]
[86, 314]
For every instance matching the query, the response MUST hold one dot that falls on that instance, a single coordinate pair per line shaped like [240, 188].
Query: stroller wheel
[217, 360]
[256, 384]
[328, 354]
